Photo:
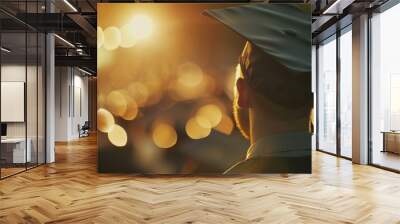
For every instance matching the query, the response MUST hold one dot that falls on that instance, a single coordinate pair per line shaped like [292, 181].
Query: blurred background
[166, 74]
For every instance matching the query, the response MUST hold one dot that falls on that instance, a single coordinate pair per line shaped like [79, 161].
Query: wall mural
[204, 88]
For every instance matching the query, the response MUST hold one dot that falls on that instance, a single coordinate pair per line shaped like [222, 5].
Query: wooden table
[391, 141]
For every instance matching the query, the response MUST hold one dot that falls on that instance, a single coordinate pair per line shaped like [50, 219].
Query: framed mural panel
[208, 88]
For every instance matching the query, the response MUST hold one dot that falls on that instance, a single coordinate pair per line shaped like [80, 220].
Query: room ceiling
[76, 22]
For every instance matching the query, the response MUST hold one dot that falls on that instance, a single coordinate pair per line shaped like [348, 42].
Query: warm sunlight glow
[128, 36]
[100, 37]
[117, 136]
[104, 58]
[179, 92]
[142, 26]
[190, 74]
[164, 135]
[139, 92]
[105, 120]
[112, 38]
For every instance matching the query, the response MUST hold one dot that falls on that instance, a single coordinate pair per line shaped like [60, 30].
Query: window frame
[334, 37]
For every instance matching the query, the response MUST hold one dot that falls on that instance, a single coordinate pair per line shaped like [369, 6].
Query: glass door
[14, 153]
[22, 77]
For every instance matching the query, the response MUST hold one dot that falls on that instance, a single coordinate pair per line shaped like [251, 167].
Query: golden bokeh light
[203, 121]
[212, 113]
[190, 74]
[153, 82]
[139, 92]
[117, 136]
[164, 135]
[179, 92]
[124, 72]
[142, 26]
[116, 103]
[105, 120]
[154, 98]
[148, 155]
[196, 131]
[112, 38]
[101, 100]
[104, 58]
[100, 37]
[155, 87]
[147, 90]
[132, 110]
[226, 125]
[128, 36]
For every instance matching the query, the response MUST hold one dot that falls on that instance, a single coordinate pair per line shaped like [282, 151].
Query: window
[327, 96]
[385, 89]
[346, 93]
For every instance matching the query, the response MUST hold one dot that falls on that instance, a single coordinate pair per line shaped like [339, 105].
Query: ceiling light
[64, 40]
[70, 5]
[5, 50]
[333, 8]
[84, 71]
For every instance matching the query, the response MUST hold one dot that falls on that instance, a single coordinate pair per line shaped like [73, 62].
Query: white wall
[13, 100]
[11, 73]
[70, 83]
[33, 126]
[79, 117]
[61, 104]
[16, 73]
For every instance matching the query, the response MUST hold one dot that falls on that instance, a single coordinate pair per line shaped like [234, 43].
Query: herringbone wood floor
[71, 191]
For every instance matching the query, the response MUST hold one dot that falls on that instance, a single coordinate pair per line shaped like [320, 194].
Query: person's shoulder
[272, 165]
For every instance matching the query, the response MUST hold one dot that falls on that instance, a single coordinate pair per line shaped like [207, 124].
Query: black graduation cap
[283, 31]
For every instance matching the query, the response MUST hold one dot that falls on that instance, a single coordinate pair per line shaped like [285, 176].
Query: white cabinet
[19, 155]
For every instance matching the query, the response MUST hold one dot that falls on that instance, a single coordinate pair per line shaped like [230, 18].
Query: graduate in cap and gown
[273, 98]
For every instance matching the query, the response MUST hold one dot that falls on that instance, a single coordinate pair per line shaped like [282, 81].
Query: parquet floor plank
[71, 191]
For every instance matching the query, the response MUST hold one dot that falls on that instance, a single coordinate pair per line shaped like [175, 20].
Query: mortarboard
[282, 31]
